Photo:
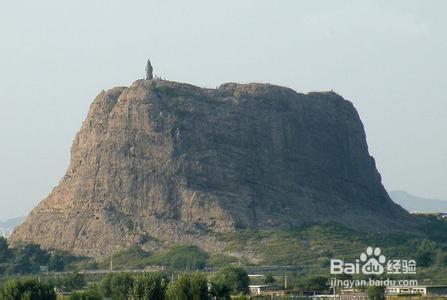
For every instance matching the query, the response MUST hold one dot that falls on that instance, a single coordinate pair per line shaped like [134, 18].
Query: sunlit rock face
[163, 162]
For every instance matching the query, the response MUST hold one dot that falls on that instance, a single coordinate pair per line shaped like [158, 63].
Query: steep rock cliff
[163, 162]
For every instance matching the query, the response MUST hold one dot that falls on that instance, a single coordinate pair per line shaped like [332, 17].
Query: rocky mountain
[163, 162]
[418, 204]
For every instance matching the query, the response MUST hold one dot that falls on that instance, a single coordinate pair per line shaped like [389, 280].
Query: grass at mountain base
[310, 247]
[307, 249]
[132, 258]
[189, 257]
[220, 260]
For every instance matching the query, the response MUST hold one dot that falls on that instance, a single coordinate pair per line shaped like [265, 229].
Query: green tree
[425, 253]
[441, 259]
[27, 259]
[269, 279]
[375, 292]
[91, 294]
[199, 286]
[56, 262]
[317, 283]
[219, 288]
[313, 283]
[116, 286]
[236, 278]
[35, 254]
[150, 286]
[22, 264]
[188, 287]
[73, 281]
[5, 252]
[22, 289]
[180, 288]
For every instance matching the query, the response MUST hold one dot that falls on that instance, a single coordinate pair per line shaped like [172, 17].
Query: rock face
[166, 162]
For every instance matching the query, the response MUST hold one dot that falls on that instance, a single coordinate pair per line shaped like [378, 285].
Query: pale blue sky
[388, 57]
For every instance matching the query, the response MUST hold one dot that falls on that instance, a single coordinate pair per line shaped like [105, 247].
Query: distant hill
[418, 204]
[7, 227]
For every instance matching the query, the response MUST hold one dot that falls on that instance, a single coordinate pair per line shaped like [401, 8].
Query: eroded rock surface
[163, 162]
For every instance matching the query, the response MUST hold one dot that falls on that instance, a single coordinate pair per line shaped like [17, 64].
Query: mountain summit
[168, 162]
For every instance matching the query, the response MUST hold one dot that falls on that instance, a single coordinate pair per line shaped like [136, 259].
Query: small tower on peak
[149, 71]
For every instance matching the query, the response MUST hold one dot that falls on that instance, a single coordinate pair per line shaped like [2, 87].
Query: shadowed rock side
[163, 162]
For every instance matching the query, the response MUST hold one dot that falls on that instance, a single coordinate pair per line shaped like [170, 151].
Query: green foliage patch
[27, 288]
[29, 258]
[192, 286]
[131, 258]
[183, 257]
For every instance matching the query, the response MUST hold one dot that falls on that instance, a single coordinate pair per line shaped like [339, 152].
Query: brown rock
[163, 162]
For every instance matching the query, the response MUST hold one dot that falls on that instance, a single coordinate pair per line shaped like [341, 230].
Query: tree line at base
[153, 285]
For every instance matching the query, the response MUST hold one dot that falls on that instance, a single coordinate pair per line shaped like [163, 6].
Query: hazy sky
[388, 57]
